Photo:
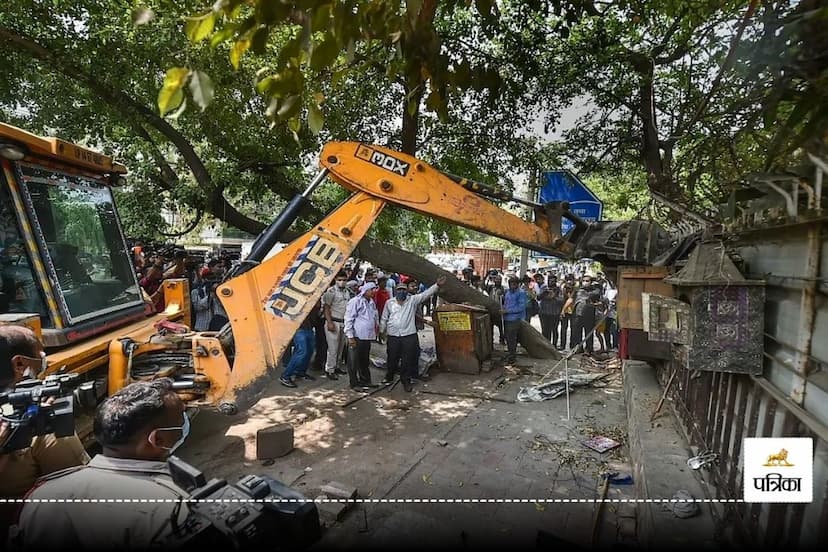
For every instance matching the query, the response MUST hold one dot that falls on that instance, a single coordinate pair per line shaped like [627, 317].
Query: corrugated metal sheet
[719, 410]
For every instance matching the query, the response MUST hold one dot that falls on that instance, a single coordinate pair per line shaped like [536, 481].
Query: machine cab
[63, 255]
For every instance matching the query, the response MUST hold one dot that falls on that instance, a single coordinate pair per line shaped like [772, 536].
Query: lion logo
[778, 459]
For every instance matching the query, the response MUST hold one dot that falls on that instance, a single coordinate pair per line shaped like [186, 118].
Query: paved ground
[435, 444]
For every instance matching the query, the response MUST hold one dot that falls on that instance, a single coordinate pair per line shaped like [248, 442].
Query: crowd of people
[203, 277]
[363, 308]
[575, 309]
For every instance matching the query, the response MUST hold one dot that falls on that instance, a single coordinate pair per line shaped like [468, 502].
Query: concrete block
[336, 489]
[331, 511]
[274, 441]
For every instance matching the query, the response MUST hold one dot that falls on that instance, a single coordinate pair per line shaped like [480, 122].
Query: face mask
[401, 295]
[30, 373]
[185, 430]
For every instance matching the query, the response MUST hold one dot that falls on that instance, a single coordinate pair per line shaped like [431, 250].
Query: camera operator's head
[21, 354]
[143, 421]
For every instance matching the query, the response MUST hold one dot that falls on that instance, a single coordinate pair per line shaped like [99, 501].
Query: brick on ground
[335, 489]
[274, 442]
[331, 511]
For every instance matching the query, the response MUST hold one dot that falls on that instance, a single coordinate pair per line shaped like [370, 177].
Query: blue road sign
[562, 185]
[565, 186]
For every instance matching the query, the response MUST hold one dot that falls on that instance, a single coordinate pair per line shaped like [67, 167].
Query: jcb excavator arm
[267, 300]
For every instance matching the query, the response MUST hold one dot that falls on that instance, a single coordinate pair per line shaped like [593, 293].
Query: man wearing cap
[334, 303]
[398, 322]
[361, 324]
[353, 287]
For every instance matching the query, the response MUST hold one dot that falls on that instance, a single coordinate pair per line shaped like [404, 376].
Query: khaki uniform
[46, 455]
[112, 525]
[20, 469]
[337, 299]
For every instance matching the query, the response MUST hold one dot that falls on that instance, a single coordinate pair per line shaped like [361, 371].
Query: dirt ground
[455, 437]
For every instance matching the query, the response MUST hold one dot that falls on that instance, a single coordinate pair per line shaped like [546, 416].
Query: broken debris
[556, 388]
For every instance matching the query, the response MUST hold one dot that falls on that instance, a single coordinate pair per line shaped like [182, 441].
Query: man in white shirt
[399, 325]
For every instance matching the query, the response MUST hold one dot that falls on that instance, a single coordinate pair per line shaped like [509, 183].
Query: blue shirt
[514, 305]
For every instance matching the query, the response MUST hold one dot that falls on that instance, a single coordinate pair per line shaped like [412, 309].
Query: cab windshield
[85, 251]
[19, 292]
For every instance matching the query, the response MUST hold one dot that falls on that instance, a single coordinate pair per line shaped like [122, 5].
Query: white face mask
[184, 429]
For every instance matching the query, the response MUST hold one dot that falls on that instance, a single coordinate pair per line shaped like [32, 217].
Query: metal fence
[718, 410]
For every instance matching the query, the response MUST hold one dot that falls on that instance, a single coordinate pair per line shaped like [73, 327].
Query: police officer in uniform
[22, 357]
[138, 428]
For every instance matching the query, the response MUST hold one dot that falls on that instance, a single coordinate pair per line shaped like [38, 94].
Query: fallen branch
[469, 396]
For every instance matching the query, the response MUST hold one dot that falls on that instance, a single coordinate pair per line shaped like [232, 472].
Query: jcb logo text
[313, 269]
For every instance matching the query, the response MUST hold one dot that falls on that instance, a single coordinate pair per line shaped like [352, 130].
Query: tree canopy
[220, 108]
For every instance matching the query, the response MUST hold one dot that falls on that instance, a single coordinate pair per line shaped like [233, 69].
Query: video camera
[30, 416]
[256, 512]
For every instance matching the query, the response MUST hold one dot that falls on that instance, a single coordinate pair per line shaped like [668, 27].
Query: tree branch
[728, 61]
[130, 109]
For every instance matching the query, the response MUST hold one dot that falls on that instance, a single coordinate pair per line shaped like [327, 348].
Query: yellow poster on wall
[454, 321]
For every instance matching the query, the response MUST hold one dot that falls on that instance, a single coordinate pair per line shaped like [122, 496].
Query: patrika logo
[778, 459]
[786, 475]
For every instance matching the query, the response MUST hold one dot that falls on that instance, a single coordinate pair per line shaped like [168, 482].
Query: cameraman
[21, 355]
[138, 428]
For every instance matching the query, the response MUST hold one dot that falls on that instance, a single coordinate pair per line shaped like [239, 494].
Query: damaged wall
[789, 399]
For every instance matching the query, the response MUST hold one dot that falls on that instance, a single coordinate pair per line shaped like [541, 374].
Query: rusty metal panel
[462, 338]
[669, 320]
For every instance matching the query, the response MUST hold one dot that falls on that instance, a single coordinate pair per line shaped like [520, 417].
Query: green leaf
[324, 53]
[337, 77]
[170, 96]
[294, 124]
[223, 34]
[199, 28]
[315, 118]
[169, 99]
[321, 18]
[290, 107]
[237, 51]
[181, 108]
[290, 50]
[201, 87]
[176, 77]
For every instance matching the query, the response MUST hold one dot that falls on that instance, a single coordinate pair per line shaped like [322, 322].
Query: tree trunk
[455, 291]
[411, 123]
